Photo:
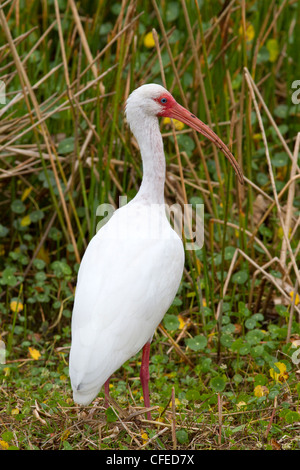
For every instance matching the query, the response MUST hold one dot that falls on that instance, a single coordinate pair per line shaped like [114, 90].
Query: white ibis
[131, 270]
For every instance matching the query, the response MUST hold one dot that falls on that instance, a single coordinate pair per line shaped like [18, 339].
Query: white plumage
[132, 267]
[124, 288]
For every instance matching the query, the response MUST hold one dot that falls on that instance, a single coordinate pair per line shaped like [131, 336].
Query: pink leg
[144, 376]
[106, 393]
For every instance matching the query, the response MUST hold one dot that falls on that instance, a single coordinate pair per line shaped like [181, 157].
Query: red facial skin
[166, 106]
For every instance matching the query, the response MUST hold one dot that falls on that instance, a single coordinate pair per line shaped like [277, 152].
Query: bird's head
[155, 101]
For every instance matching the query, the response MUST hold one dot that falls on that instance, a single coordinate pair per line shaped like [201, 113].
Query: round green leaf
[182, 436]
[171, 322]
[3, 231]
[66, 146]
[226, 340]
[39, 263]
[257, 350]
[177, 302]
[280, 159]
[240, 277]
[292, 417]
[254, 336]
[218, 383]
[238, 378]
[17, 206]
[197, 343]
[172, 11]
[245, 349]
[229, 252]
[8, 277]
[55, 234]
[36, 215]
[250, 323]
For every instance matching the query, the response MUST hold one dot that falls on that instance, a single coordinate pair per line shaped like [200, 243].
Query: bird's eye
[163, 100]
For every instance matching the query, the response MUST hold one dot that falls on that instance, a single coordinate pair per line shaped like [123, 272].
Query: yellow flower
[16, 306]
[297, 298]
[15, 411]
[178, 124]
[177, 402]
[273, 48]
[4, 445]
[282, 375]
[149, 40]
[34, 353]
[181, 322]
[144, 436]
[25, 221]
[260, 391]
[250, 32]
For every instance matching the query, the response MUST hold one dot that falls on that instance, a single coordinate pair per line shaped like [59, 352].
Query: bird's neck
[148, 136]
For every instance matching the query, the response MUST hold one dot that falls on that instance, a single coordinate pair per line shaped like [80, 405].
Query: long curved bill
[181, 114]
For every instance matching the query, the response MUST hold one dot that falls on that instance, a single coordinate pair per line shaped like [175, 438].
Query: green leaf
[229, 252]
[111, 417]
[257, 350]
[226, 340]
[172, 11]
[262, 179]
[66, 145]
[187, 143]
[238, 378]
[281, 111]
[254, 336]
[192, 395]
[250, 323]
[3, 231]
[260, 379]
[171, 322]
[177, 302]
[229, 328]
[61, 269]
[237, 345]
[292, 417]
[7, 436]
[17, 206]
[8, 277]
[245, 349]
[218, 383]
[197, 343]
[55, 234]
[36, 215]
[39, 263]
[280, 159]
[67, 446]
[182, 436]
[240, 277]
